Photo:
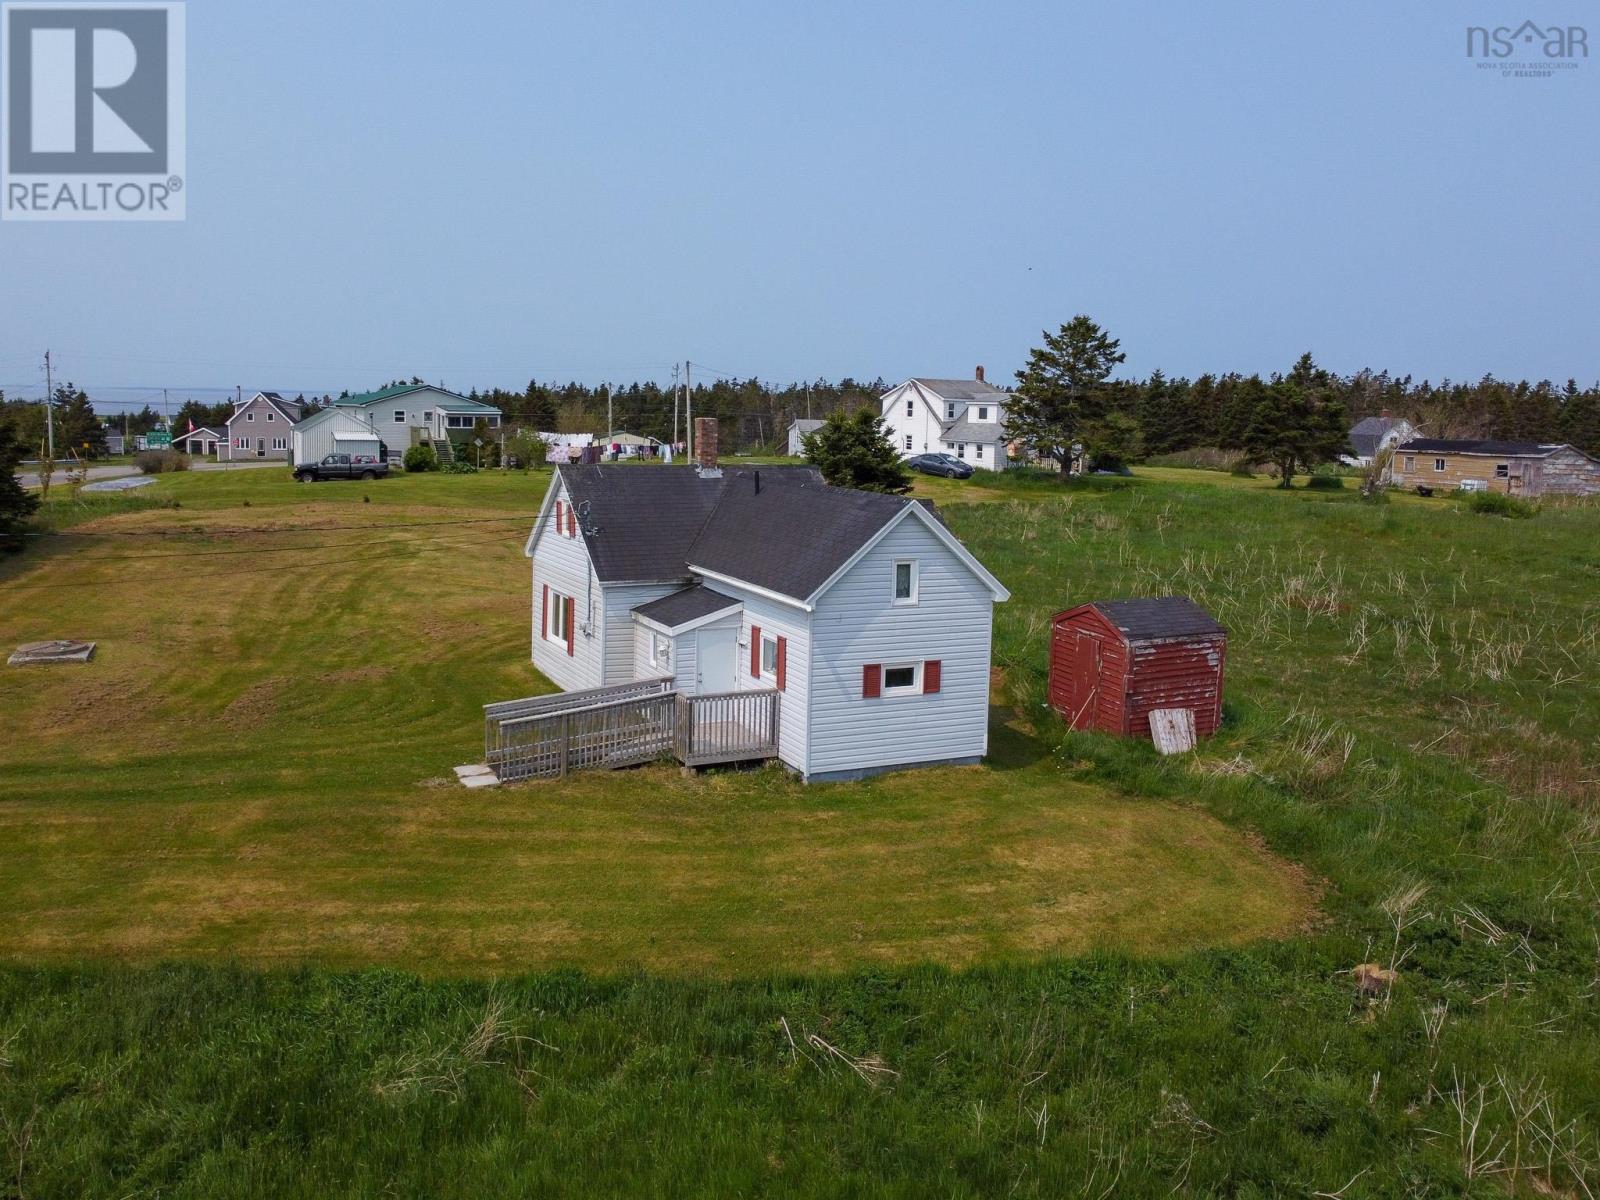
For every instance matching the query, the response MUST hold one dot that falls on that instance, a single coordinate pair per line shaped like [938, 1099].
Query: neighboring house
[1371, 436]
[337, 431]
[259, 428]
[1517, 468]
[203, 439]
[797, 436]
[862, 610]
[417, 412]
[963, 417]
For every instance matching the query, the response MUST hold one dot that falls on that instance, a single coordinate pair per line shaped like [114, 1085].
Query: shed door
[1085, 680]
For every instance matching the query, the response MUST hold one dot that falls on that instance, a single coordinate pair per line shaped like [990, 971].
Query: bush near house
[1324, 481]
[1498, 504]
[421, 457]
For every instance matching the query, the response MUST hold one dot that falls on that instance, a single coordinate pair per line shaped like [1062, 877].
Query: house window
[557, 624]
[399, 416]
[911, 408]
[908, 441]
[249, 416]
[1411, 462]
[950, 410]
[269, 414]
[1438, 464]
[427, 418]
[661, 651]
[902, 678]
[961, 449]
[977, 450]
[905, 581]
[983, 414]
[1502, 470]
[280, 443]
[769, 656]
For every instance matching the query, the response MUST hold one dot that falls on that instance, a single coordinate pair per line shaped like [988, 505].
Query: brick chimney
[980, 374]
[705, 447]
[1385, 414]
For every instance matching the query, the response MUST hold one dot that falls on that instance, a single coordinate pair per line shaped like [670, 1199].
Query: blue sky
[485, 193]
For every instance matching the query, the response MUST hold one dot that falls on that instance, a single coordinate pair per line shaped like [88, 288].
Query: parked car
[947, 465]
[342, 466]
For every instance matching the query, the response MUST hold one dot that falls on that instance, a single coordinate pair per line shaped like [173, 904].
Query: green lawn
[1078, 970]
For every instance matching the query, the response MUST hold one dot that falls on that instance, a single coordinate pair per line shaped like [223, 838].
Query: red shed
[1114, 662]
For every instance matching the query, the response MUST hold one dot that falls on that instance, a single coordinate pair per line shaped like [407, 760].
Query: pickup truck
[342, 466]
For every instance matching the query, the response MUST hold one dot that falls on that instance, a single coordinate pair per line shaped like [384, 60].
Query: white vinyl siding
[562, 564]
[856, 623]
[313, 439]
[618, 633]
[791, 624]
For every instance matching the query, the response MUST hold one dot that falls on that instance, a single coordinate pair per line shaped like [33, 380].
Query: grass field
[1078, 970]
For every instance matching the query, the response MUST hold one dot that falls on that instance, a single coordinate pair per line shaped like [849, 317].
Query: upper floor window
[905, 581]
[249, 416]
[983, 413]
[950, 410]
[399, 416]
[270, 414]
[911, 408]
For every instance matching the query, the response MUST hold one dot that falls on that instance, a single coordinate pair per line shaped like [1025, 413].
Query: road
[31, 479]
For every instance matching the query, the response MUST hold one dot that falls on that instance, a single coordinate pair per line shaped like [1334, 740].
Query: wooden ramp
[625, 725]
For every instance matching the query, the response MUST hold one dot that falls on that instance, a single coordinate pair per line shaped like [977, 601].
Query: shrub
[421, 457]
[1324, 482]
[160, 462]
[1498, 504]
[457, 467]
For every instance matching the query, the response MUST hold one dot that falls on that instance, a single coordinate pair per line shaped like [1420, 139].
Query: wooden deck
[625, 725]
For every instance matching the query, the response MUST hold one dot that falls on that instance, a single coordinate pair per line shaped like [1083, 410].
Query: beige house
[1516, 468]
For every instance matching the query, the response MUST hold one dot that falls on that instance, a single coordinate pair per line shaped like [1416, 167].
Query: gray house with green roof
[406, 414]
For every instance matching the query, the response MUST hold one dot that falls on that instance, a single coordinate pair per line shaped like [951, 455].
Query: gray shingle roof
[973, 431]
[961, 389]
[1489, 446]
[641, 521]
[688, 605]
[756, 537]
[1367, 434]
[1158, 617]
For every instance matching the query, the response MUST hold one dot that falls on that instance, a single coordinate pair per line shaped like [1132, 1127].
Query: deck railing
[625, 725]
[727, 727]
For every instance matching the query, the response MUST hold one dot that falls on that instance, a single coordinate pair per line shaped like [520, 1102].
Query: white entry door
[717, 656]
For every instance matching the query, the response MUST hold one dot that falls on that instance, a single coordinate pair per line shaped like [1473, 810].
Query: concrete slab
[125, 484]
[474, 769]
[480, 781]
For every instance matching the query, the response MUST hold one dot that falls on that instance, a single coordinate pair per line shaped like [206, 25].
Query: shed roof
[1484, 446]
[691, 604]
[1158, 617]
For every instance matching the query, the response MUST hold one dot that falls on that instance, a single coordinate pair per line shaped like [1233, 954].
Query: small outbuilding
[1114, 662]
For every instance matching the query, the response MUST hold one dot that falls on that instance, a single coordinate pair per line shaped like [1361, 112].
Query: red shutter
[783, 662]
[571, 612]
[561, 517]
[755, 652]
[930, 676]
[871, 681]
[544, 613]
[572, 522]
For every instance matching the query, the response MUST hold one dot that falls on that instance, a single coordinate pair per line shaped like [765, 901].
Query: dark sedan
[947, 465]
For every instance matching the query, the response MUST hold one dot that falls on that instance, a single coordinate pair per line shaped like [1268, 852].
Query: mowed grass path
[256, 766]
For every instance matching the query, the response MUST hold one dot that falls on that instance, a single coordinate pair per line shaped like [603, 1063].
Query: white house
[868, 616]
[409, 413]
[798, 432]
[260, 428]
[1371, 436]
[963, 417]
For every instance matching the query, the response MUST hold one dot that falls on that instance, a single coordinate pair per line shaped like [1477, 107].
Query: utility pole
[673, 440]
[166, 409]
[610, 428]
[49, 409]
[688, 400]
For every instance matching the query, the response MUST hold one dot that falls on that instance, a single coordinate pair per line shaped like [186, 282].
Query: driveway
[118, 471]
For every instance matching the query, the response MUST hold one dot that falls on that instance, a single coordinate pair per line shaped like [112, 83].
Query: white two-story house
[962, 417]
[864, 612]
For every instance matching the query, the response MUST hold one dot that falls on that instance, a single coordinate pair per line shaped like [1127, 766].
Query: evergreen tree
[17, 504]
[1062, 393]
[1580, 418]
[77, 427]
[1299, 422]
[855, 452]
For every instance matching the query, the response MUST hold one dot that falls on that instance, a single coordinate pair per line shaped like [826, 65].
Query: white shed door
[717, 657]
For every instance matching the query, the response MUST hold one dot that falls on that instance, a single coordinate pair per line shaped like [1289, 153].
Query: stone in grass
[52, 652]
